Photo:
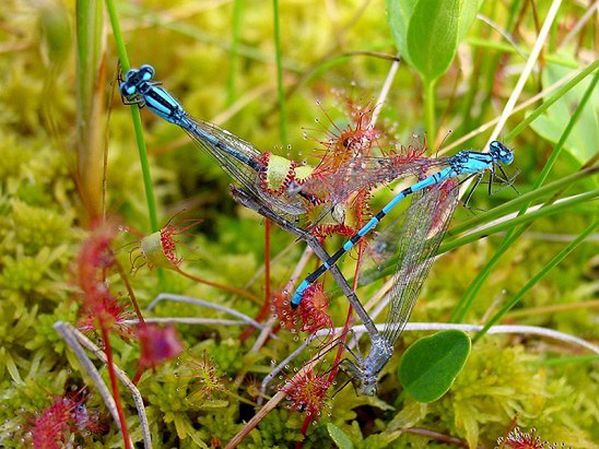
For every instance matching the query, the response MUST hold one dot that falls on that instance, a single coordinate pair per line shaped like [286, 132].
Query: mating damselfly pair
[423, 229]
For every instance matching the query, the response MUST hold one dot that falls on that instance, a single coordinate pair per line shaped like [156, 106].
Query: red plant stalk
[94, 260]
[159, 249]
[347, 325]
[267, 230]
[226, 288]
[113, 382]
[263, 312]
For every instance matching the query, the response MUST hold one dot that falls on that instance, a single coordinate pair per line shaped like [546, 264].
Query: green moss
[42, 224]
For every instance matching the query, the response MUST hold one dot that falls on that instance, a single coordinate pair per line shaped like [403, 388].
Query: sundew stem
[226, 288]
[136, 118]
[113, 383]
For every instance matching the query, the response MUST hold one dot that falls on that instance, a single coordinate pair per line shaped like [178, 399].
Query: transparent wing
[423, 229]
[240, 160]
[364, 173]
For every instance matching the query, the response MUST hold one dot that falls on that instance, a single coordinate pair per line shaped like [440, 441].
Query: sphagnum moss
[40, 230]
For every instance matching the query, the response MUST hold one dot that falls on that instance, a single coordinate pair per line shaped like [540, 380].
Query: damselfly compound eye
[147, 72]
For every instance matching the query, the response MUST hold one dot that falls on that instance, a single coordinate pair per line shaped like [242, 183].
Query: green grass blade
[521, 219]
[136, 118]
[91, 79]
[550, 100]
[467, 300]
[556, 260]
[280, 86]
[527, 198]
[390, 265]
[234, 52]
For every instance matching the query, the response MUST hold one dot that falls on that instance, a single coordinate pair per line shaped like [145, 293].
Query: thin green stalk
[429, 111]
[507, 48]
[527, 198]
[550, 100]
[136, 118]
[91, 116]
[491, 64]
[280, 86]
[234, 52]
[467, 300]
[389, 266]
[556, 260]
[520, 219]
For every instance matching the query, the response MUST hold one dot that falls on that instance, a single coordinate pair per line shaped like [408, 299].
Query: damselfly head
[133, 79]
[501, 153]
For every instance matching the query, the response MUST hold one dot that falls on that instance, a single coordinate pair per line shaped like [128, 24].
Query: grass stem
[136, 118]
[556, 260]
[467, 300]
[280, 86]
[234, 52]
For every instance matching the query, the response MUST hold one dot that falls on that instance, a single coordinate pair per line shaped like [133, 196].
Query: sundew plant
[287, 224]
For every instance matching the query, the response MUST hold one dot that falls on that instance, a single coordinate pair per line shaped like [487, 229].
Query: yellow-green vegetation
[68, 156]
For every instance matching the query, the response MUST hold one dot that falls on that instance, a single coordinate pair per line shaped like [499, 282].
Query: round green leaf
[339, 437]
[429, 366]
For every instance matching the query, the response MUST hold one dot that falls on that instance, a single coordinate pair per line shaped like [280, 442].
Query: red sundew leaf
[51, 426]
[157, 344]
[517, 439]
[313, 310]
[67, 414]
[307, 391]
[311, 315]
[281, 308]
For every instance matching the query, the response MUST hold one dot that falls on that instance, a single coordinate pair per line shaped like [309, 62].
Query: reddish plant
[356, 139]
[313, 310]
[321, 232]
[310, 316]
[281, 308]
[157, 344]
[113, 312]
[307, 391]
[517, 439]
[50, 428]
[99, 306]
[159, 249]
[67, 414]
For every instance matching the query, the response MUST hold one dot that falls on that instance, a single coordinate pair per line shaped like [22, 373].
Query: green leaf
[582, 141]
[399, 15]
[339, 437]
[469, 9]
[429, 366]
[427, 32]
[433, 36]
